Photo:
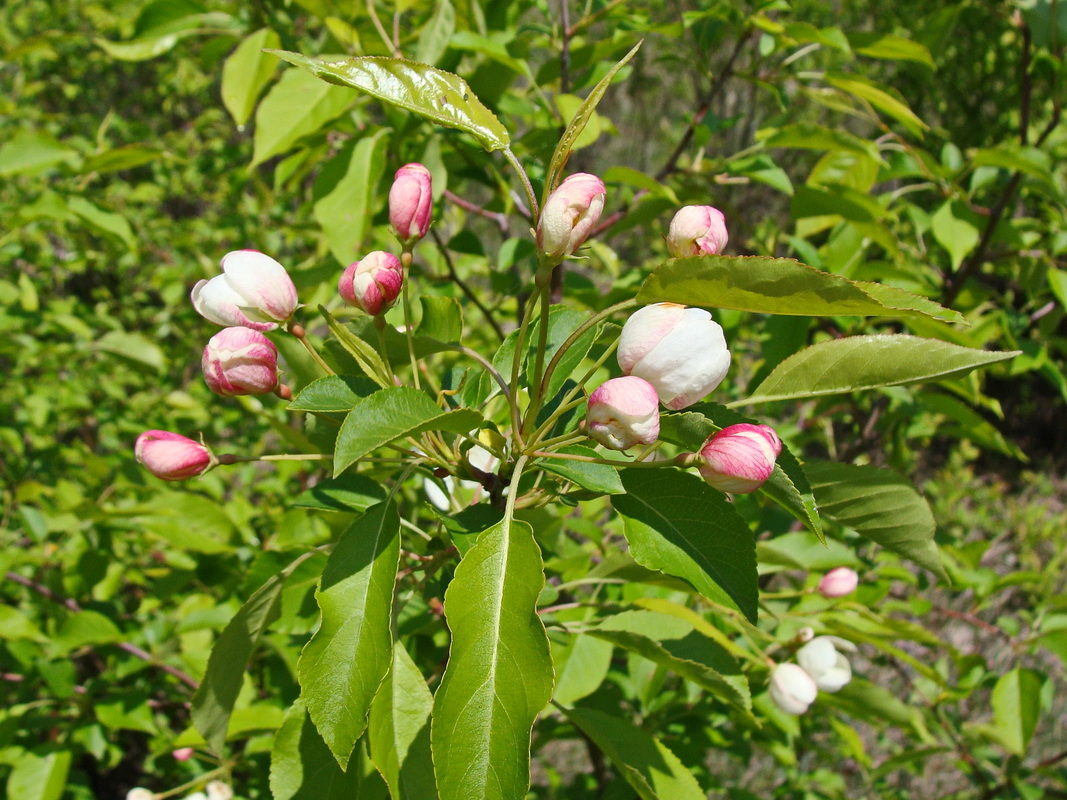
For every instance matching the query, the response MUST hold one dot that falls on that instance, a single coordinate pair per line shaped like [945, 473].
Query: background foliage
[920, 148]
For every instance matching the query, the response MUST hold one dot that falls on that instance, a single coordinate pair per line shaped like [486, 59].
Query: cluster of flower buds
[820, 667]
[569, 216]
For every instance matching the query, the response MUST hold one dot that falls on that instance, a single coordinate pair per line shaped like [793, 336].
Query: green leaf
[779, 286]
[599, 478]
[120, 158]
[581, 666]
[105, 222]
[1016, 708]
[578, 123]
[134, 347]
[817, 137]
[140, 49]
[890, 47]
[675, 644]
[347, 659]
[562, 322]
[442, 319]
[499, 673]
[879, 504]
[435, 94]
[434, 37]
[345, 213]
[955, 228]
[881, 100]
[399, 732]
[333, 394]
[856, 363]
[82, 628]
[350, 492]
[365, 355]
[297, 105]
[30, 153]
[678, 524]
[1029, 160]
[246, 72]
[15, 625]
[648, 766]
[39, 776]
[391, 414]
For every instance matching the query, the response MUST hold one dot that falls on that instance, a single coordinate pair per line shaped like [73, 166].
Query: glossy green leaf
[39, 775]
[678, 524]
[29, 153]
[349, 656]
[435, 35]
[779, 286]
[246, 72]
[879, 504]
[392, 414]
[435, 94]
[600, 478]
[345, 213]
[648, 766]
[399, 731]
[1016, 707]
[333, 394]
[296, 106]
[857, 363]
[499, 673]
[364, 354]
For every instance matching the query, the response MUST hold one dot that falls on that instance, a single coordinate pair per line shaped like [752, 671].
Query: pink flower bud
[173, 457]
[240, 361]
[569, 215]
[374, 283]
[254, 292]
[681, 351]
[411, 202]
[623, 412]
[792, 689]
[839, 582]
[739, 458]
[183, 753]
[697, 230]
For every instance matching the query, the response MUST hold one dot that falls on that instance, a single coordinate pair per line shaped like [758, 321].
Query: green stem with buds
[682, 460]
[405, 262]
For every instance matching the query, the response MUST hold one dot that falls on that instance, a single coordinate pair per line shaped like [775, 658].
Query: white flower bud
[828, 668]
[623, 412]
[792, 689]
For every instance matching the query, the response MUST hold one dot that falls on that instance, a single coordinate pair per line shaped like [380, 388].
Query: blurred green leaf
[345, 213]
[246, 72]
[30, 152]
[39, 775]
[297, 105]
[435, 36]
[955, 228]
[1016, 708]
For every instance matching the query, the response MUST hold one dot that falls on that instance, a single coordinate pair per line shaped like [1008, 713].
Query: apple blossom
[569, 215]
[372, 283]
[828, 668]
[739, 458]
[839, 582]
[623, 412]
[240, 361]
[697, 230]
[173, 457]
[411, 202]
[254, 291]
[792, 689]
[140, 793]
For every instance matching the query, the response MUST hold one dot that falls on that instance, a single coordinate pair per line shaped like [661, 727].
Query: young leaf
[435, 94]
[297, 105]
[333, 394]
[365, 355]
[246, 72]
[1016, 707]
[349, 656]
[435, 35]
[600, 478]
[499, 673]
[856, 363]
[40, 775]
[676, 523]
[581, 664]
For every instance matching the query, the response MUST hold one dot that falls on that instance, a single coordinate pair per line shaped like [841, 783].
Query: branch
[464, 287]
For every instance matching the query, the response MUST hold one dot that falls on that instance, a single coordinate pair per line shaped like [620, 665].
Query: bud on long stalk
[569, 216]
[173, 457]
[411, 203]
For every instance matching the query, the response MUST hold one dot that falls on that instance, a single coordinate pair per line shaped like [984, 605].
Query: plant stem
[539, 359]
[682, 460]
[535, 212]
[405, 261]
[570, 340]
[299, 332]
[379, 323]
[516, 367]
[229, 458]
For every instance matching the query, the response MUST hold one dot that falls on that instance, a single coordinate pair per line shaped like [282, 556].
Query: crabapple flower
[183, 753]
[411, 202]
[792, 689]
[739, 458]
[173, 457]
[828, 668]
[697, 230]
[681, 351]
[140, 793]
[839, 582]
[569, 215]
[239, 361]
[253, 291]
[373, 283]
[623, 412]
[217, 790]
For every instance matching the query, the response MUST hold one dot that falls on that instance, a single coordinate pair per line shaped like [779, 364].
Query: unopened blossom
[739, 458]
[828, 668]
[839, 582]
[140, 793]
[372, 283]
[173, 457]
[569, 215]
[240, 361]
[792, 689]
[183, 753]
[217, 790]
[253, 291]
[681, 351]
[623, 412]
[696, 231]
[411, 202]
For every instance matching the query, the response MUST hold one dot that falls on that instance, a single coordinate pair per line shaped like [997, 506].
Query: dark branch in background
[499, 218]
[132, 649]
[463, 286]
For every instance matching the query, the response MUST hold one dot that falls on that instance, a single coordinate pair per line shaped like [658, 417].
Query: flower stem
[379, 323]
[405, 261]
[299, 332]
[230, 458]
[526, 185]
[682, 460]
[539, 359]
[570, 340]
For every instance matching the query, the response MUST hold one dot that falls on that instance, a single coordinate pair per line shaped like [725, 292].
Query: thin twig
[464, 287]
[498, 217]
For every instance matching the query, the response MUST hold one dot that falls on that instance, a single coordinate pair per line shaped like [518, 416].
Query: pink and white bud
[839, 582]
[739, 458]
[681, 351]
[411, 202]
[373, 283]
[697, 231]
[623, 412]
[173, 457]
[254, 291]
[239, 361]
[828, 668]
[792, 689]
[569, 215]
[183, 753]
[140, 793]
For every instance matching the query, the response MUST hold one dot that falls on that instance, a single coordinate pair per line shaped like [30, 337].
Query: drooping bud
[623, 412]
[411, 202]
[828, 668]
[839, 582]
[739, 458]
[696, 231]
[569, 215]
[681, 351]
[254, 292]
[373, 283]
[792, 689]
[240, 361]
[183, 753]
[173, 457]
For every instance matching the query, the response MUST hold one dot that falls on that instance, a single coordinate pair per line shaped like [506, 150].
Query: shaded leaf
[246, 72]
[600, 478]
[345, 213]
